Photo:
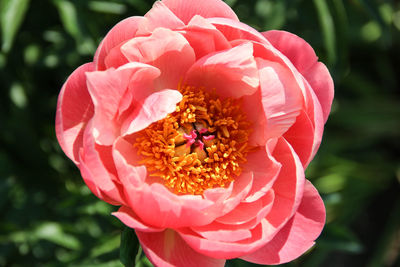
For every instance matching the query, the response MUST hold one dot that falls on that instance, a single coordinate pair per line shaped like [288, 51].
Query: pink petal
[74, 109]
[265, 170]
[295, 48]
[225, 250]
[224, 200]
[241, 188]
[218, 194]
[233, 72]
[321, 82]
[168, 249]
[299, 233]
[159, 50]
[222, 232]
[249, 220]
[315, 113]
[290, 182]
[282, 98]
[130, 219]
[107, 89]
[155, 107]
[306, 135]
[115, 58]
[301, 136]
[98, 171]
[246, 211]
[159, 16]
[304, 59]
[236, 30]
[173, 211]
[126, 159]
[203, 37]
[124, 30]
[186, 9]
[237, 225]
[288, 188]
[253, 108]
[266, 51]
[141, 86]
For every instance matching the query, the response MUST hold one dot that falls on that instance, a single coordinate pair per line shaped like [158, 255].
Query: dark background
[48, 217]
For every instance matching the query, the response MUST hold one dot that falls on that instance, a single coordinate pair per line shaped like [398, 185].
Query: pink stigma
[208, 137]
[201, 144]
[190, 137]
[204, 130]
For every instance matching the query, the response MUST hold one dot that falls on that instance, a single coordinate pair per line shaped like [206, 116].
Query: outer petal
[227, 199]
[74, 109]
[253, 108]
[293, 47]
[304, 59]
[281, 97]
[311, 105]
[288, 187]
[299, 233]
[225, 250]
[237, 225]
[321, 82]
[155, 107]
[159, 50]
[306, 133]
[115, 58]
[236, 30]
[239, 190]
[186, 9]
[172, 211]
[233, 72]
[265, 169]
[98, 171]
[301, 136]
[107, 89]
[124, 30]
[130, 219]
[222, 232]
[204, 37]
[167, 248]
[159, 16]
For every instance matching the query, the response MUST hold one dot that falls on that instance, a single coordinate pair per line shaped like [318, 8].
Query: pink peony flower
[200, 128]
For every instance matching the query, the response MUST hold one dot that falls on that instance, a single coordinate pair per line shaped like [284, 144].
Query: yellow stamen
[181, 150]
[210, 158]
[201, 154]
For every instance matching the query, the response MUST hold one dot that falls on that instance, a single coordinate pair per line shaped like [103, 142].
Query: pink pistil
[201, 144]
[208, 137]
[190, 137]
[204, 130]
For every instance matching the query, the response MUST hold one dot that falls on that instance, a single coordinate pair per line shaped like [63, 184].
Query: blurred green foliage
[49, 217]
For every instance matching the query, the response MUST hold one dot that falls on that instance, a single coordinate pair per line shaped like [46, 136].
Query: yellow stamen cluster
[188, 169]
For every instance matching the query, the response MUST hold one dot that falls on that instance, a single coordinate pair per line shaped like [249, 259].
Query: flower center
[201, 145]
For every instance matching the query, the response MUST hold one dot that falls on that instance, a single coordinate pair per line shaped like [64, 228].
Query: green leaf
[54, 232]
[69, 18]
[341, 238]
[388, 240]
[107, 7]
[106, 245]
[12, 13]
[331, 183]
[74, 23]
[129, 247]
[18, 95]
[328, 29]
[113, 263]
